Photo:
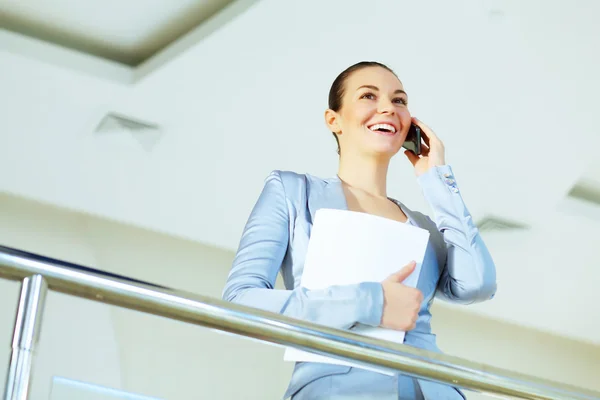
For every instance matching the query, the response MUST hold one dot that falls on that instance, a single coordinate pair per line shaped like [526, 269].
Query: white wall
[125, 349]
[78, 339]
[171, 360]
[515, 348]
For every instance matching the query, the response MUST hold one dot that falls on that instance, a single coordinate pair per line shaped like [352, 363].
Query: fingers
[413, 158]
[425, 139]
[419, 297]
[428, 134]
[403, 273]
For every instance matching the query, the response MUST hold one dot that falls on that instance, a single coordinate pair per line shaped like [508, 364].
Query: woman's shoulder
[294, 179]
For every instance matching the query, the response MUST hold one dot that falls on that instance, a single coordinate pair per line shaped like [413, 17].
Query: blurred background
[135, 137]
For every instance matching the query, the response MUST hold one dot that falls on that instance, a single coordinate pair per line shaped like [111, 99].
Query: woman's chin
[384, 151]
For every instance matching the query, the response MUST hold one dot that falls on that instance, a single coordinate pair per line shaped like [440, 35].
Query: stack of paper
[349, 247]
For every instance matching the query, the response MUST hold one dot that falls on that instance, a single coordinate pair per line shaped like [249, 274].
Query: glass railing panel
[174, 360]
[69, 389]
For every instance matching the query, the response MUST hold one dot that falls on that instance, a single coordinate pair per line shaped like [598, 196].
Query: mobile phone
[413, 139]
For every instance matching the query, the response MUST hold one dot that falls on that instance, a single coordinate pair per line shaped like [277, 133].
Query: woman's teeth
[383, 128]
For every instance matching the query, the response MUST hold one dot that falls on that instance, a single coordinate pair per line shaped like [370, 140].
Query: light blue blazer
[457, 266]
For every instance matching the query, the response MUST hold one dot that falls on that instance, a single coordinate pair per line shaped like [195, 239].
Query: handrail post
[28, 322]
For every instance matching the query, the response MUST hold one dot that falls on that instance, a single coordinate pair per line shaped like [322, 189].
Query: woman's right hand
[401, 304]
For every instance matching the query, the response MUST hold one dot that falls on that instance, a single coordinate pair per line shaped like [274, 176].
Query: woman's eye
[400, 100]
[368, 96]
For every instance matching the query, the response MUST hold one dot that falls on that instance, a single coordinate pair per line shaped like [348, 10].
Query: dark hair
[336, 93]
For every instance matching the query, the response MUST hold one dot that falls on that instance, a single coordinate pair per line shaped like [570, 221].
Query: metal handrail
[37, 271]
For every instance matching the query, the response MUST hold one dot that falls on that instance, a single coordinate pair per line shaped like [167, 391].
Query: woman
[370, 120]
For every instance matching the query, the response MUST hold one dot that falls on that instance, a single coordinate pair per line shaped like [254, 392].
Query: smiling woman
[366, 92]
[369, 117]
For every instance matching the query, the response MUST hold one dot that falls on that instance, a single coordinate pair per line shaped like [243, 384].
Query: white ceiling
[510, 86]
[125, 31]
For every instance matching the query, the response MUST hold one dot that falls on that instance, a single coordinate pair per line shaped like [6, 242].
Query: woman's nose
[386, 107]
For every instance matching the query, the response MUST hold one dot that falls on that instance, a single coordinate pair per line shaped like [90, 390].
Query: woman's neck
[366, 174]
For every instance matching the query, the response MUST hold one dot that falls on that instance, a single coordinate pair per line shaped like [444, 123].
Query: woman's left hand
[432, 151]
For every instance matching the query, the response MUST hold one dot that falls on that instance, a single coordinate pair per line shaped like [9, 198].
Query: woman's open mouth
[383, 129]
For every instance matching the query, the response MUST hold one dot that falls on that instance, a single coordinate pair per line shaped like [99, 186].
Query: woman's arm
[261, 251]
[470, 274]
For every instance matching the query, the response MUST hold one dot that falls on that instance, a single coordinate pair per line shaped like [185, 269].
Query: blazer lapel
[330, 194]
[411, 215]
[327, 194]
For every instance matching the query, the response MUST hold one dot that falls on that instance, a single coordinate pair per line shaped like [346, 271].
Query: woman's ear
[332, 121]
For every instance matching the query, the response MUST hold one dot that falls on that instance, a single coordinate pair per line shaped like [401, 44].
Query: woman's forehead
[374, 76]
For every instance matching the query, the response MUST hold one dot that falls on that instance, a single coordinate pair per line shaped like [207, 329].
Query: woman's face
[374, 118]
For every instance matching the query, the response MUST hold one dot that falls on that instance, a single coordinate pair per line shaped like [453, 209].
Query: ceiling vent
[585, 191]
[583, 200]
[495, 224]
[147, 134]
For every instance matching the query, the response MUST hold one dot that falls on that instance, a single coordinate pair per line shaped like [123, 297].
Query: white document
[348, 247]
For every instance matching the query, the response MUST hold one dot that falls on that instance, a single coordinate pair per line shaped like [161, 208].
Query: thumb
[401, 275]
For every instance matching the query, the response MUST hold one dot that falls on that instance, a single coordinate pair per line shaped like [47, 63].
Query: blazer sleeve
[469, 275]
[261, 251]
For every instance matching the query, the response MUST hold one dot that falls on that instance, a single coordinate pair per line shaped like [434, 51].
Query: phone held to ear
[413, 139]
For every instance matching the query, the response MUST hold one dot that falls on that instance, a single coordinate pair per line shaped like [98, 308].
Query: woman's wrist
[438, 177]
[370, 303]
